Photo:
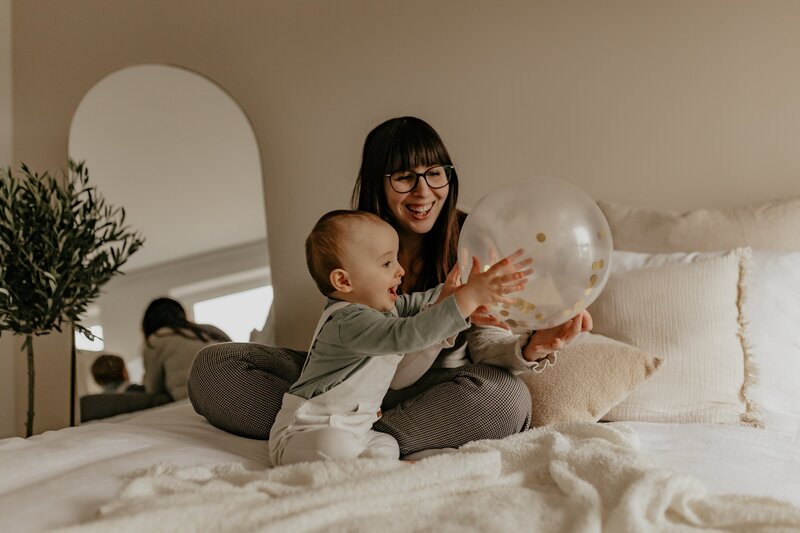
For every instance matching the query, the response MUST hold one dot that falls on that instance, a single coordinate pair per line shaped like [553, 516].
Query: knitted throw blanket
[569, 477]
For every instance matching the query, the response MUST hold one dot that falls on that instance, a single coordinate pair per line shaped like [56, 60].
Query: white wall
[7, 417]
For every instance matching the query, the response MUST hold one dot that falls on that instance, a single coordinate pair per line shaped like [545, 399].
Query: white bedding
[729, 459]
[62, 478]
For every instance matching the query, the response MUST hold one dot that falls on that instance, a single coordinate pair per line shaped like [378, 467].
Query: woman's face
[416, 212]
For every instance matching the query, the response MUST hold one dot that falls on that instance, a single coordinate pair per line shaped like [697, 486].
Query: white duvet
[574, 477]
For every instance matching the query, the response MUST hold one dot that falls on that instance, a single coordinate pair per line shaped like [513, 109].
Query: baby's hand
[490, 287]
[549, 340]
[481, 315]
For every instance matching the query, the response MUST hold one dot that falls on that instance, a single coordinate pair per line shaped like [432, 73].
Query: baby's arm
[415, 364]
[370, 332]
[482, 288]
[411, 304]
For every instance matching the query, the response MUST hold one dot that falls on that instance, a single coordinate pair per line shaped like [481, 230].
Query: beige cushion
[590, 377]
[772, 225]
[689, 315]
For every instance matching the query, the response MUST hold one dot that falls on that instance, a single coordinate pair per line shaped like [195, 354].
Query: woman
[443, 399]
[171, 343]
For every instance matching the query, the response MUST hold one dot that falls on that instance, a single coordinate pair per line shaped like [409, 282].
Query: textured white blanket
[570, 477]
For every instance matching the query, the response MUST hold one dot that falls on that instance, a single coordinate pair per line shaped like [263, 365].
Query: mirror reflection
[179, 155]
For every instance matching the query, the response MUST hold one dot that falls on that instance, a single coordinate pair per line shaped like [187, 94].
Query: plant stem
[28, 345]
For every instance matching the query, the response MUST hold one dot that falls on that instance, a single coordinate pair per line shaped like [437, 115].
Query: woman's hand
[549, 340]
[451, 284]
[482, 317]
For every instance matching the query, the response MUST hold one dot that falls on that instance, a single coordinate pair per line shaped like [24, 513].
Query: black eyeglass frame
[448, 171]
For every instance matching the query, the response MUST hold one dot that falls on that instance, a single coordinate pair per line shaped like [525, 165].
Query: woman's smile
[420, 211]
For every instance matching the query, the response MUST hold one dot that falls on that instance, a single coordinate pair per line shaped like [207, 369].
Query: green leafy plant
[59, 243]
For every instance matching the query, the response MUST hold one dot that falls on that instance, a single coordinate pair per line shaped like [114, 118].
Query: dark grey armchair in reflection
[104, 405]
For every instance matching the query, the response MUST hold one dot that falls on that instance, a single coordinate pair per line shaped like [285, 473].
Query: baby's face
[371, 262]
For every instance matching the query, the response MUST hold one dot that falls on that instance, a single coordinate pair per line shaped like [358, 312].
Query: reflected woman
[171, 343]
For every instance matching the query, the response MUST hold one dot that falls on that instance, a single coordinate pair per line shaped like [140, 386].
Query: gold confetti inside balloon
[561, 228]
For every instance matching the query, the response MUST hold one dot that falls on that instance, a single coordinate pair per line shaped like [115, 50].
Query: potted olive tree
[59, 243]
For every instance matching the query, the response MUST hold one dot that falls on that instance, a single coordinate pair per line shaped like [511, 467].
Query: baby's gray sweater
[357, 332]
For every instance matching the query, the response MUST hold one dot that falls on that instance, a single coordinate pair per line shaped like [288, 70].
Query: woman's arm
[499, 347]
[549, 340]
[519, 350]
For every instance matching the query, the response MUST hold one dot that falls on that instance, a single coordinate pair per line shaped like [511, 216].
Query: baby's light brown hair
[109, 369]
[325, 244]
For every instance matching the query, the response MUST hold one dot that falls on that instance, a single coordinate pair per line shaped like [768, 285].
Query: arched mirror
[180, 156]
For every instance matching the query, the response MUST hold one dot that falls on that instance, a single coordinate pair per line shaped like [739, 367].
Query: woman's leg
[239, 386]
[447, 408]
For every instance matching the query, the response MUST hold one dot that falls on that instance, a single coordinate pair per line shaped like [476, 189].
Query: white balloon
[557, 225]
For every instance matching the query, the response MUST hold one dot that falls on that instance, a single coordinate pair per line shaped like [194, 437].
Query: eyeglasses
[407, 180]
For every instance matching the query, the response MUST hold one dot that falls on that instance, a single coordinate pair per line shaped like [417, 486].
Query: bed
[66, 477]
[693, 370]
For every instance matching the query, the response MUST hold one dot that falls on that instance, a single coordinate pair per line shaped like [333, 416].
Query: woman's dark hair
[400, 144]
[168, 313]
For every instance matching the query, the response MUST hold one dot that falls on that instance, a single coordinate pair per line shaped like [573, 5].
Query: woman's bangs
[413, 151]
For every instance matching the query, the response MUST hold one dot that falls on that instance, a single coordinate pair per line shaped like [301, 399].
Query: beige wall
[661, 104]
[7, 387]
[7, 416]
[5, 83]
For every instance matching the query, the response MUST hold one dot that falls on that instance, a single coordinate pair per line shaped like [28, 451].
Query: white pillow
[773, 296]
[772, 312]
[684, 309]
[771, 315]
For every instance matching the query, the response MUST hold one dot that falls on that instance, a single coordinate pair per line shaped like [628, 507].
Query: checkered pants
[239, 387]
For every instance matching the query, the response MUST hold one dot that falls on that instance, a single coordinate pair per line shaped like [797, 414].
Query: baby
[363, 332]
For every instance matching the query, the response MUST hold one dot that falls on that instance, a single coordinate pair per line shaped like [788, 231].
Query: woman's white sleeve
[498, 347]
